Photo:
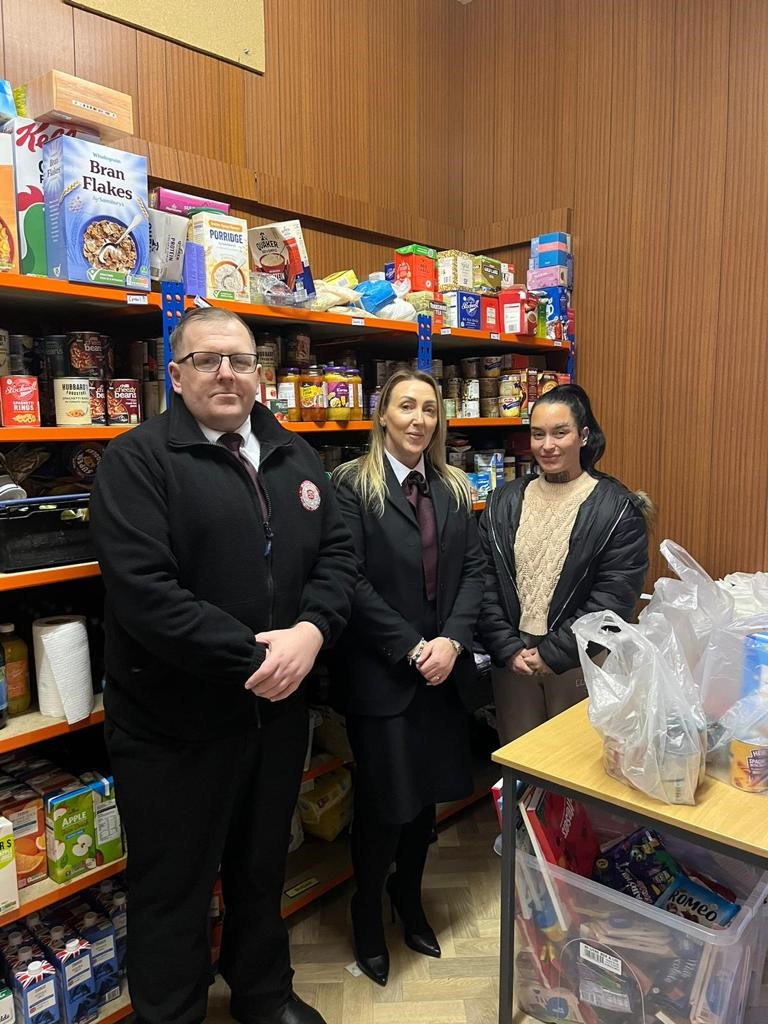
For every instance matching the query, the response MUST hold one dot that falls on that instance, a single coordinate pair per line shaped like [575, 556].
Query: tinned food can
[88, 354]
[98, 394]
[72, 401]
[123, 401]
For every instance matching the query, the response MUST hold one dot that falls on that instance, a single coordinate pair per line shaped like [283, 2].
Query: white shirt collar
[213, 435]
[401, 471]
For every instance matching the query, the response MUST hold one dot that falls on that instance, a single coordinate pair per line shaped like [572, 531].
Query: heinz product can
[98, 394]
[72, 401]
[19, 345]
[87, 354]
[5, 354]
[123, 401]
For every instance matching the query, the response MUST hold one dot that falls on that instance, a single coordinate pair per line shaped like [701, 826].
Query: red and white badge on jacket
[309, 495]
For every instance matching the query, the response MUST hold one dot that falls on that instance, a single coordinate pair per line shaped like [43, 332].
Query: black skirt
[408, 761]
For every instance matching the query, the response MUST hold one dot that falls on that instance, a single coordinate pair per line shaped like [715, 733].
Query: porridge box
[96, 217]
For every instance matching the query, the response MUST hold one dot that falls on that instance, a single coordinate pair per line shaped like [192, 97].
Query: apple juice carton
[70, 955]
[35, 989]
[69, 834]
[24, 809]
[106, 818]
[9, 890]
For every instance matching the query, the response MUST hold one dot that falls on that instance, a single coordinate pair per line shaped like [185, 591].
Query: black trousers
[188, 807]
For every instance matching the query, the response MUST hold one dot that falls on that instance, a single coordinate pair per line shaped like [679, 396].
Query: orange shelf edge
[328, 425]
[501, 421]
[31, 902]
[8, 435]
[73, 290]
[322, 769]
[57, 727]
[40, 577]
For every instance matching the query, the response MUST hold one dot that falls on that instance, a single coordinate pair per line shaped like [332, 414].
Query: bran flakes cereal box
[96, 216]
[28, 138]
[9, 243]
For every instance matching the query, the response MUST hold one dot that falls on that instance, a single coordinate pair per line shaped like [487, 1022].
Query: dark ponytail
[577, 400]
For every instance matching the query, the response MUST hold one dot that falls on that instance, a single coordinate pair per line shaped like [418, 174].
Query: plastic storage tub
[622, 961]
[40, 532]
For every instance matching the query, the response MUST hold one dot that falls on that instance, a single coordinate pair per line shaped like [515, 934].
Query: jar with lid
[355, 393]
[298, 348]
[338, 390]
[16, 669]
[314, 399]
[289, 390]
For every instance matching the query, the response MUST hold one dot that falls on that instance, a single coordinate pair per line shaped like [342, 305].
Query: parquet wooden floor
[461, 897]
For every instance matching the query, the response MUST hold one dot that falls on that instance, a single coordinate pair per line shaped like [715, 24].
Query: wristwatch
[455, 645]
[415, 654]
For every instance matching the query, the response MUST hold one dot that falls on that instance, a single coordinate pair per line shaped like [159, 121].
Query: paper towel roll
[63, 666]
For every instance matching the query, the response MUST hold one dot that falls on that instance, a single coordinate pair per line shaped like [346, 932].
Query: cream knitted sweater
[541, 544]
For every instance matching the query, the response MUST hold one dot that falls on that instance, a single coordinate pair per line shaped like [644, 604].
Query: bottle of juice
[16, 669]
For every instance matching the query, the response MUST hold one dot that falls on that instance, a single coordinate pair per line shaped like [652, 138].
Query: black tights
[375, 845]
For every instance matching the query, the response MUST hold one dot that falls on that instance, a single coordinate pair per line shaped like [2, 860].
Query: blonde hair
[367, 475]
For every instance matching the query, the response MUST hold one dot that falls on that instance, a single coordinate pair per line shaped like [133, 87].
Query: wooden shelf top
[43, 894]
[32, 727]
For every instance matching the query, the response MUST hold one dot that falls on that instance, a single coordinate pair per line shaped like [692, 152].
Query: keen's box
[96, 216]
[57, 96]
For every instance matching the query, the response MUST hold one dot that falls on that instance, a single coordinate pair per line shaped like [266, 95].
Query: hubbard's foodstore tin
[72, 400]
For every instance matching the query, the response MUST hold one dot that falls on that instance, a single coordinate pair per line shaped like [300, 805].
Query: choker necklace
[557, 478]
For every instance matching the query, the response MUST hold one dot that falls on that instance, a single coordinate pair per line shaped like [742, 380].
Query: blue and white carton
[96, 215]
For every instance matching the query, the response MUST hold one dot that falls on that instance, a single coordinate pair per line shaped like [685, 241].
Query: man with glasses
[227, 567]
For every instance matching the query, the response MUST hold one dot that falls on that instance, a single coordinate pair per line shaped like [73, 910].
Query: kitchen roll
[63, 666]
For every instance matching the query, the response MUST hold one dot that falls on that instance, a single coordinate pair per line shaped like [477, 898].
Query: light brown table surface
[567, 751]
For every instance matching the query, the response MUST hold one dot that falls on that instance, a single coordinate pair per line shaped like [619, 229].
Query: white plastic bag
[644, 703]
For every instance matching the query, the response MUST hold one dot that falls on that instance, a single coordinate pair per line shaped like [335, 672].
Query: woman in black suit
[405, 663]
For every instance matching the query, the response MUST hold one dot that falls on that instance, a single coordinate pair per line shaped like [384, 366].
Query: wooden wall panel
[38, 36]
[738, 496]
[482, 70]
[99, 43]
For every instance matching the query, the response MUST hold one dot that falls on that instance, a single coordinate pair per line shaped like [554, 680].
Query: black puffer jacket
[604, 569]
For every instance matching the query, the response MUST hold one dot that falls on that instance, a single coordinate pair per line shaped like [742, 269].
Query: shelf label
[494, 336]
[525, 421]
[301, 887]
[445, 330]
[137, 300]
[558, 344]
[358, 321]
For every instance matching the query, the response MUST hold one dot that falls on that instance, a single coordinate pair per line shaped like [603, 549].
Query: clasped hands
[436, 659]
[290, 655]
[529, 662]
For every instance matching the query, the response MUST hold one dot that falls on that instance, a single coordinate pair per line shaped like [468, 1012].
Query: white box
[9, 890]
[225, 246]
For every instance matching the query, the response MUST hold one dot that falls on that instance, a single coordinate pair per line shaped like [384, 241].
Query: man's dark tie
[233, 442]
[416, 490]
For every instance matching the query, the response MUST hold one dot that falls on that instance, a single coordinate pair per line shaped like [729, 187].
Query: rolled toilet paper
[63, 667]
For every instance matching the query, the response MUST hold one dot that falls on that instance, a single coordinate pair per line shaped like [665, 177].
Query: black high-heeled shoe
[373, 965]
[416, 930]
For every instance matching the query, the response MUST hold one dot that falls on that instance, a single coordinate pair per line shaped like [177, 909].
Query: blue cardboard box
[551, 258]
[462, 310]
[555, 240]
[96, 216]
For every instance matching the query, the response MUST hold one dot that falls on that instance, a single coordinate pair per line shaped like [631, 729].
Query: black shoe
[369, 934]
[293, 1011]
[416, 930]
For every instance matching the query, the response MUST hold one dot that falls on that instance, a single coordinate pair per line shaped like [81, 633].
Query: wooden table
[565, 755]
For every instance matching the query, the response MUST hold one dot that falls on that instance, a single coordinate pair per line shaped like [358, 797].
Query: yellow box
[58, 97]
[225, 244]
[9, 239]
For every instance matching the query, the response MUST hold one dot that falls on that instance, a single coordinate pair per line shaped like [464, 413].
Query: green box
[417, 250]
[69, 834]
[106, 818]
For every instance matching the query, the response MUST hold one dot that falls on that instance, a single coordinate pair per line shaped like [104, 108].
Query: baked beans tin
[749, 764]
[88, 354]
[19, 401]
[72, 398]
[97, 391]
[123, 401]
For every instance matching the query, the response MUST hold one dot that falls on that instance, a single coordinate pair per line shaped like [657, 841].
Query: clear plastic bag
[738, 745]
[645, 705]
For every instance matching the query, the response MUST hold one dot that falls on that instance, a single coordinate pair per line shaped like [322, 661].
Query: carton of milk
[7, 1013]
[96, 216]
[100, 933]
[70, 955]
[28, 138]
[69, 834]
[35, 989]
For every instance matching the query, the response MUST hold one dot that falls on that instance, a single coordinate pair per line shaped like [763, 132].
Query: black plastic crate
[39, 532]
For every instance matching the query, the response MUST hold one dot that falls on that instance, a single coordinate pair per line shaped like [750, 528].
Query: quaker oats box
[96, 215]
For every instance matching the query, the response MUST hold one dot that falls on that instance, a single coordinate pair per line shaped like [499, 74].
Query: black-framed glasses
[209, 362]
